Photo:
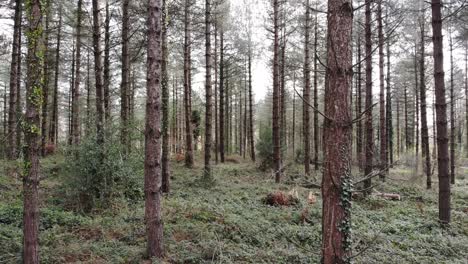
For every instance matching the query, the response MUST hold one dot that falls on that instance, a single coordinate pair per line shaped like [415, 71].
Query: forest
[234, 131]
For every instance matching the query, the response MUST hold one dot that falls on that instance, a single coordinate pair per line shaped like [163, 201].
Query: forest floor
[229, 223]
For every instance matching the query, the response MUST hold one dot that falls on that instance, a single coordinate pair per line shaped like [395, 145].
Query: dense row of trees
[334, 52]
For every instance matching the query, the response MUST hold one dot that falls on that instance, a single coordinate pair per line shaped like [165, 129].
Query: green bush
[97, 174]
[264, 148]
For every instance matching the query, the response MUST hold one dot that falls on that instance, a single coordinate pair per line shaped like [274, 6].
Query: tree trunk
[34, 97]
[76, 86]
[47, 61]
[221, 99]
[208, 93]
[98, 73]
[187, 87]
[70, 95]
[441, 113]
[153, 179]
[276, 96]
[293, 132]
[54, 119]
[106, 72]
[165, 103]
[424, 131]
[389, 114]
[124, 106]
[14, 84]
[336, 187]
[368, 123]
[398, 128]
[452, 113]
[383, 129]
[316, 117]
[251, 110]
[216, 134]
[407, 128]
[359, 139]
[306, 103]
[466, 95]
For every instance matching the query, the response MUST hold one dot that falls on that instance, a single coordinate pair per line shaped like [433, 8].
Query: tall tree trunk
[424, 131]
[306, 103]
[54, 119]
[244, 139]
[441, 113]
[70, 95]
[383, 129]
[359, 139]
[88, 94]
[106, 72]
[336, 187]
[368, 123]
[208, 93]
[165, 103]
[124, 106]
[389, 114]
[452, 112]
[276, 96]
[187, 87]
[98, 74]
[47, 60]
[34, 96]
[407, 127]
[466, 95]
[416, 104]
[282, 106]
[14, 83]
[293, 132]
[216, 134]
[398, 128]
[76, 86]
[316, 117]
[251, 109]
[19, 100]
[153, 179]
[221, 98]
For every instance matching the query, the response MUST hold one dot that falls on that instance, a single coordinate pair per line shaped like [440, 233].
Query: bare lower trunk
[276, 96]
[251, 110]
[452, 114]
[106, 71]
[124, 88]
[368, 123]
[383, 129]
[208, 93]
[98, 73]
[187, 88]
[221, 99]
[165, 104]
[54, 119]
[306, 103]
[76, 86]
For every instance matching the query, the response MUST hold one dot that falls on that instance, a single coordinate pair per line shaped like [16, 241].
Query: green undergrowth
[228, 223]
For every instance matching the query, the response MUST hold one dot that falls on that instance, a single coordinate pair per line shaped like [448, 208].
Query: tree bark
[336, 188]
[124, 88]
[187, 87]
[76, 86]
[153, 179]
[14, 83]
[221, 99]
[31, 128]
[452, 112]
[306, 103]
[251, 109]
[441, 113]
[316, 117]
[359, 139]
[165, 103]
[389, 113]
[216, 134]
[54, 119]
[383, 129]
[208, 93]
[106, 71]
[98, 74]
[47, 61]
[368, 122]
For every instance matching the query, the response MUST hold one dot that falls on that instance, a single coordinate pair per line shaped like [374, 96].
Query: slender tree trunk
[368, 123]
[165, 103]
[466, 95]
[54, 119]
[293, 140]
[282, 106]
[98, 73]
[276, 96]
[208, 92]
[187, 87]
[424, 130]
[306, 103]
[221, 99]
[316, 117]
[407, 128]
[251, 109]
[216, 134]
[452, 113]
[88, 95]
[336, 188]
[70, 96]
[76, 86]
[14, 84]
[106, 72]
[153, 179]
[416, 105]
[124, 88]
[383, 129]
[19, 103]
[359, 105]
[34, 97]
[398, 128]
[244, 139]
[441, 113]
[389, 113]
[47, 60]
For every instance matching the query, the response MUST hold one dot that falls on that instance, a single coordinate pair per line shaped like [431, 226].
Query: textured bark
[216, 134]
[76, 86]
[276, 96]
[441, 113]
[70, 95]
[383, 129]
[46, 80]
[106, 71]
[466, 95]
[98, 74]
[369, 151]
[208, 93]
[359, 139]
[221, 99]
[187, 86]
[336, 188]
[398, 128]
[416, 105]
[424, 130]
[34, 96]
[282, 105]
[389, 113]
[306, 93]
[154, 225]
[124, 87]
[19, 100]
[54, 118]
[88, 94]
[251, 110]
[293, 132]
[165, 104]
[316, 118]
[452, 113]
[14, 84]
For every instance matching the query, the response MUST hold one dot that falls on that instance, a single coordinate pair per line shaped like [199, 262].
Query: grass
[228, 223]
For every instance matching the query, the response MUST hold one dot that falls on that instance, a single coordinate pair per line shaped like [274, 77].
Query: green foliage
[98, 174]
[196, 123]
[264, 148]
